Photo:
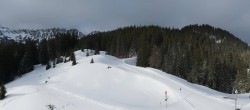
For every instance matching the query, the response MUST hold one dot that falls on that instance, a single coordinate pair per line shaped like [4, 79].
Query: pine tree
[59, 59]
[48, 66]
[155, 58]
[31, 46]
[73, 58]
[97, 51]
[43, 52]
[26, 64]
[54, 64]
[2, 92]
[143, 54]
[192, 76]
[52, 49]
[211, 79]
[2, 75]
[241, 77]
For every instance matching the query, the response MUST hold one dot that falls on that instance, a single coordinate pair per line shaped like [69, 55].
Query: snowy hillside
[38, 34]
[124, 86]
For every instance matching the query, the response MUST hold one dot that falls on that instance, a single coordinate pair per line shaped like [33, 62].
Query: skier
[166, 97]
[180, 91]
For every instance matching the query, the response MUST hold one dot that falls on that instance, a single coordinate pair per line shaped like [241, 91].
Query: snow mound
[131, 61]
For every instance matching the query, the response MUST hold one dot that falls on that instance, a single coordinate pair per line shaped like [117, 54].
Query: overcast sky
[102, 15]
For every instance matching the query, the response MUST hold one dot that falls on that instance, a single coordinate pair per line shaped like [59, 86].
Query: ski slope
[124, 86]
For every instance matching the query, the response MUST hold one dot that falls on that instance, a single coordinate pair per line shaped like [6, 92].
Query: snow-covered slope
[94, 86]
[36, 34]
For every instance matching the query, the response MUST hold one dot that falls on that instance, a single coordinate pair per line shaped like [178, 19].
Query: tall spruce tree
[43, 52]
[2, 92]
[48, 66]
[31, 46]
[97, 51]
[73, 58]
[143, 53]
[26, 64]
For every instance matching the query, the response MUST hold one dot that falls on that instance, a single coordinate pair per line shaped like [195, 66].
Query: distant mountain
[34, 34]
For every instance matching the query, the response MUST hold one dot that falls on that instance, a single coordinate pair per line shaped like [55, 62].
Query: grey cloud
[91, 15]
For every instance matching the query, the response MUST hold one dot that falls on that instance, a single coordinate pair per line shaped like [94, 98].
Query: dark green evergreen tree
[48, 66]
[59, 58]
[97, 51]
[26, 64]
[73, 58]
[155, 59]
[143, 53]
[2, 92]
[54, 63]
[43, 52]
[31, 46]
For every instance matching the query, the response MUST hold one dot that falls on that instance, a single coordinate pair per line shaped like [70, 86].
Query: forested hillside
[18, 58]
[200, 54]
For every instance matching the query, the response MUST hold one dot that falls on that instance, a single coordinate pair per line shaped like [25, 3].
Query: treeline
[200, 54]
[18, 58]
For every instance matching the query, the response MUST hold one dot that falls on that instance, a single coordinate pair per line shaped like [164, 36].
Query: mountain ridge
[21, 35]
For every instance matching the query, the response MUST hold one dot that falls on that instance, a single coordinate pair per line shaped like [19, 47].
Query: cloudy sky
[101, 15]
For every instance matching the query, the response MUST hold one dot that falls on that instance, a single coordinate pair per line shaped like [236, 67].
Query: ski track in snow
[87, 99]
[139, 71]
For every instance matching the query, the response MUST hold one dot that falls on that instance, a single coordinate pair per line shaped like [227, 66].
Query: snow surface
[217, 41]
[124, 86]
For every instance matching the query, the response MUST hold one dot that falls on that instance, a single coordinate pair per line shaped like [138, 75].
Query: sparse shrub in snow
[59, 59]
[65, 60]
[51, 107]
[92, 52]
[82, 50]
[92, 60]
[87, 54]
[2, 92]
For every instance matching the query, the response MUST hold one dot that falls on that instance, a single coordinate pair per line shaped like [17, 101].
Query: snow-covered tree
[87, 54]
